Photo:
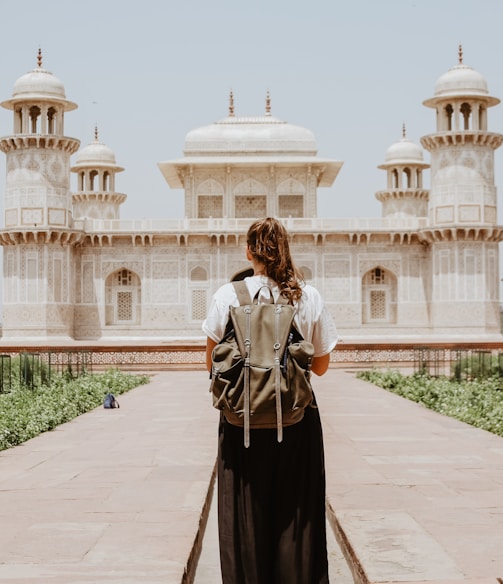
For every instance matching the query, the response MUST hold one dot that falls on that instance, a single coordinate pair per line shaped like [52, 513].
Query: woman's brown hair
[268, 243]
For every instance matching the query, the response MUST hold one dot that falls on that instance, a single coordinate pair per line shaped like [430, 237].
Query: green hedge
[27, 412]
[477, 402]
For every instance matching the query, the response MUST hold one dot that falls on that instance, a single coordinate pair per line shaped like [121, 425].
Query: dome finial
[268, 104]
[460, 54]
[39, 58]
[231, 104]
[96, 132]
[404, 133]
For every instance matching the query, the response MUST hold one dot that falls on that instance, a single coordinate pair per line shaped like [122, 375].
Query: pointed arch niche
[122, 298]
[379, 294]
[199, 285]
[291, 193]
[210, 199]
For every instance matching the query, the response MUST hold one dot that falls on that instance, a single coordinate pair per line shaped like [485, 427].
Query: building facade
[73, 270]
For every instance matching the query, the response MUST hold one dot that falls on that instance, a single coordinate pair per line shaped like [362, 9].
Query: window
[466, 111]
[34, 115]
[123, 298]
[251, 206]
[448, 113]
[379, 293]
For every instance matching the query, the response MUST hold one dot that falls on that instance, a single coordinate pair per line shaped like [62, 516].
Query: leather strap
[242, 292]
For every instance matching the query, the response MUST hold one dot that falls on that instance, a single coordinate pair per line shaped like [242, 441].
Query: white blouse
[312, 318]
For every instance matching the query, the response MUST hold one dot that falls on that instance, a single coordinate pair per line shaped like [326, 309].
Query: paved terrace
[120, 496]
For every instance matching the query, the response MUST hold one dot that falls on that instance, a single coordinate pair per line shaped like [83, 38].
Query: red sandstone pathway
[418, 495]
[117, 495]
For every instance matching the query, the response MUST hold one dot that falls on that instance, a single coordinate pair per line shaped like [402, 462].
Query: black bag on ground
[110, 402]
[261, 368]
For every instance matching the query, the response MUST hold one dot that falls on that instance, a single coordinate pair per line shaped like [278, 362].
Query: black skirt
[271, 505]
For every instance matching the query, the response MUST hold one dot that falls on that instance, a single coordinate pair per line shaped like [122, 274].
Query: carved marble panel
[444, 214]
[57, 216]
[32, 216]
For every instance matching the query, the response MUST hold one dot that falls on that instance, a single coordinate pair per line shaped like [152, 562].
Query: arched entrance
[379, 294]
[123, 298]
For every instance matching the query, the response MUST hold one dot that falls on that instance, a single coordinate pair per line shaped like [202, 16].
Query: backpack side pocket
[298, 374]
[226, 374]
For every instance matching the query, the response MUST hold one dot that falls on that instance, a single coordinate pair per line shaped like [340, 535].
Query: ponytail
[267, 241]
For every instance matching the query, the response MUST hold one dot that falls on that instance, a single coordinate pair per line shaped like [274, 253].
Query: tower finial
[96, 133]
[231, 104]
[404, 133]
[39, 58]
[460, 54]
[268, 104]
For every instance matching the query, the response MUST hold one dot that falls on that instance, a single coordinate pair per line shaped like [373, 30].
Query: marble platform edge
[192, 561]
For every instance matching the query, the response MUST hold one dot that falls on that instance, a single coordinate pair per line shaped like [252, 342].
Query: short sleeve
[218, 313]
[315, 321]
[324, 333]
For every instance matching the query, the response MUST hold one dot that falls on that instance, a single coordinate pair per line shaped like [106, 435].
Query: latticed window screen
[57, 280]
[251, 206]
[209, 206]
[124, 306]
[291, 206]
[377, 304]
[31, 269]
[198, 304]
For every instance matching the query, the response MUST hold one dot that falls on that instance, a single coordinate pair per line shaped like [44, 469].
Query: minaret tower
[462, 210]
[96, 197]
[38, 235]
[405, 195]
[462, 150]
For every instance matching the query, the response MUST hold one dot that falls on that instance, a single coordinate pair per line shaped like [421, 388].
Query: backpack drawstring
[277, 373]
[247, 343]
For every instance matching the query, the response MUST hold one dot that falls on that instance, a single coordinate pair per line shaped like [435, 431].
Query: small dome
[96, 154]
[404, 152]
[39, 85]
[39, 82]
[248, 135]
[461, 80]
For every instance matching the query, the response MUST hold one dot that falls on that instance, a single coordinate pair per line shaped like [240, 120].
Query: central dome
[250, 135]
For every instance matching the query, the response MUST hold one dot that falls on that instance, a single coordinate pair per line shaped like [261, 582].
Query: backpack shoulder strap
[244, 297]
[242, 292]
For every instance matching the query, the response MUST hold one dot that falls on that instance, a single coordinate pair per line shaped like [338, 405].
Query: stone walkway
[417, 496]
[120, 496]
[115, 495]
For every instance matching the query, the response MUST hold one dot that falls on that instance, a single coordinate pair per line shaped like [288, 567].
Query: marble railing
[240, 225]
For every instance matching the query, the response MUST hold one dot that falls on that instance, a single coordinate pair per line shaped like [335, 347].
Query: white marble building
[73, 270]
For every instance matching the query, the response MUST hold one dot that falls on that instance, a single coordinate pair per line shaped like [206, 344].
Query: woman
[271, 496]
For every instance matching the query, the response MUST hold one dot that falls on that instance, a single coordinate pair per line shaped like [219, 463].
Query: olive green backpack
[261, 369]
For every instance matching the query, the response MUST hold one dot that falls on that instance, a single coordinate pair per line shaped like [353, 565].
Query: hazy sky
[351, 71]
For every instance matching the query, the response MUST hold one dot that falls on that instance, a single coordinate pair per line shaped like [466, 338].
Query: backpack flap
[261, 368]
[262, 332]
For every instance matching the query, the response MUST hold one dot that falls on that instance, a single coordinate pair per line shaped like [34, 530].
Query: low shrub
[26, 412]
